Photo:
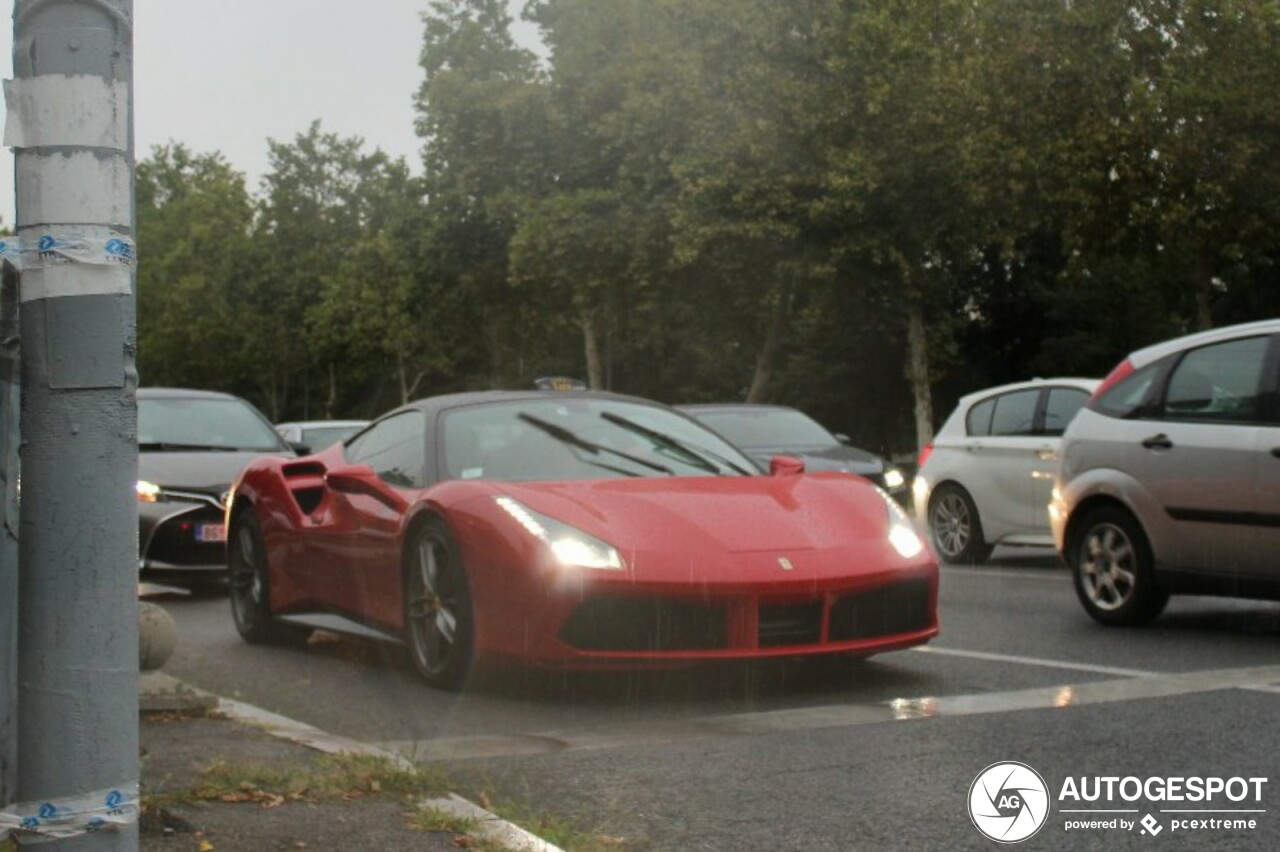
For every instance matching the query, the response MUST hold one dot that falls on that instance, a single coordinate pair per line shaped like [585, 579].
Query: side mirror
[785, 466]
[842, 438]
[360, 479]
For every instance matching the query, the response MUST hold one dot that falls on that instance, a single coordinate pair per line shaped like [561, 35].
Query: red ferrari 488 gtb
[580, 529]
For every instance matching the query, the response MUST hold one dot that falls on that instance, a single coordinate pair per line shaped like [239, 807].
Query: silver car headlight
[571, 546]
[893, 479]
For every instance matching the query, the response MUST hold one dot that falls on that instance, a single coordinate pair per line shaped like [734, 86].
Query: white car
[317, 435]
[987, 476]
[1170, 478]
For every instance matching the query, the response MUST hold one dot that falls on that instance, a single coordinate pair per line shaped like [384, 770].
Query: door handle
[1046, 455]
[1158, 442]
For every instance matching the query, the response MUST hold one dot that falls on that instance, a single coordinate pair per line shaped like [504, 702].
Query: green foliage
[710, 199]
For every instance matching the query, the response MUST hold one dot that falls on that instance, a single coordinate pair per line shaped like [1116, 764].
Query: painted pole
[70, 124]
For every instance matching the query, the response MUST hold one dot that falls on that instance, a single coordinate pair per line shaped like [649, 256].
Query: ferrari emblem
[785, 563]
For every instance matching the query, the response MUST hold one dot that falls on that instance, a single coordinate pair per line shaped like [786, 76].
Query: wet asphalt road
[873, 755]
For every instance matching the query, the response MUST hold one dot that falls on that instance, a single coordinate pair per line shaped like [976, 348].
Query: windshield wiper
[173, 447]
[566, 436]
[701, 457]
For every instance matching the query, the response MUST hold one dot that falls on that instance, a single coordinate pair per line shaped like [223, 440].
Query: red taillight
[1122, 371]
[924, 455]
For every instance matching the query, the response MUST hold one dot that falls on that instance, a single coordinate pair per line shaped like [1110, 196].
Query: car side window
[1061, 407]
[978, 422]
[395, 448]
[1220, 382]
[1015, 413]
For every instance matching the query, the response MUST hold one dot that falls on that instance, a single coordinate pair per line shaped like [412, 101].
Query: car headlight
[571, 546]
[149, 492]
[902, 535]
[893, 479]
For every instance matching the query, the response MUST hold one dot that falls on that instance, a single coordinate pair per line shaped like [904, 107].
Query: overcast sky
[226, 75]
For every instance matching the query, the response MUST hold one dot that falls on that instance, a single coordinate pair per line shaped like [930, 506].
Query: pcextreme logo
[1008, 802]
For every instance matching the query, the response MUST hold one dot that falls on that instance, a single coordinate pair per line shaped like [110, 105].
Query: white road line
[1035, 661]
[839, 716]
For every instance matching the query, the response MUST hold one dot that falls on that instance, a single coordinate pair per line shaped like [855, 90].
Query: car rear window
[1125, 397]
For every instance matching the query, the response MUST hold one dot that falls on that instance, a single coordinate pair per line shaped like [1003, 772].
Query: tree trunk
[773, 336]
[331, 402]
[1203, 290]
[918, 372]
[591, 347]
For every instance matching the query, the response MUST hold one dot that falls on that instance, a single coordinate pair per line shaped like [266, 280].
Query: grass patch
[465, 831]
[337, 776]
[569, 834]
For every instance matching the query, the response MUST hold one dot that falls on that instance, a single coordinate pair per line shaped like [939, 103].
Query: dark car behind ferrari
[765, 431]
[191, 444]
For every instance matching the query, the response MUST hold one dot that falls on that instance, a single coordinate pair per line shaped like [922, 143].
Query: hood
[838, 458]
[715, 515]
[206, 472]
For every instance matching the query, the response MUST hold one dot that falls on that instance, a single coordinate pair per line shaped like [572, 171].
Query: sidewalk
[219, 776]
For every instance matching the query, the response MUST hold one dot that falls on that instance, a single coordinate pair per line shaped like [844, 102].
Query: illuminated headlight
[571, 546]
[893, 479]
[149, 492]
[902, 535]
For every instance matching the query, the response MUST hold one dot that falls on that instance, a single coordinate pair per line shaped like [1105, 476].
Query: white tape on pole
[66, 110]
[58, 819]
[74, 186]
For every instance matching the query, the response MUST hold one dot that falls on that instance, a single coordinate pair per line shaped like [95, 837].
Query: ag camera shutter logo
[1008, 802]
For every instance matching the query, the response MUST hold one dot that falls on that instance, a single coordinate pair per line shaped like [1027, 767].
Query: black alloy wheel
[250, 585]
[1113, 569]
[438, 614]
[955, 527]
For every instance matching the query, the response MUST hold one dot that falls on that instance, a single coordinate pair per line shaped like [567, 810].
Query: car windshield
[575, 438]
[200, 423]
[768, 427]
[322, 437]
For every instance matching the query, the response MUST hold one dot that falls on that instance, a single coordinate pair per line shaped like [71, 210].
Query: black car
[765, 431]
[191, 444]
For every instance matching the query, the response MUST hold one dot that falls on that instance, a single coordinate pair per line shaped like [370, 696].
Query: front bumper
[610, 621]
[182, 536]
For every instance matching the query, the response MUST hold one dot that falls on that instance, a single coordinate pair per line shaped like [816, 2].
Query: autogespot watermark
[1009, 802]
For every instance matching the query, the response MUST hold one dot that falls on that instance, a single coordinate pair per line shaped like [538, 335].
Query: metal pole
[9, 402]
[70, 123]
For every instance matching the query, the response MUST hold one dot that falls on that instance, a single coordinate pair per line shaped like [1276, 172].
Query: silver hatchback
[1169, 480]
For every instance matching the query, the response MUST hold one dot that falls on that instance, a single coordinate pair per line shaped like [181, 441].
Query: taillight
[1121, 372]
[924, 455]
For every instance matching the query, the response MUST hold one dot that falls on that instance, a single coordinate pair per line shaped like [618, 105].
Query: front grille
[629, 624]
[174, 541]
[883, 611]
[800, 624]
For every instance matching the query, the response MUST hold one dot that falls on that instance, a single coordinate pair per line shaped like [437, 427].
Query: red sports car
[580, 529]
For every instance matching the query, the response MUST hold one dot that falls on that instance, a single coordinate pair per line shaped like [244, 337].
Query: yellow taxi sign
[559, 383]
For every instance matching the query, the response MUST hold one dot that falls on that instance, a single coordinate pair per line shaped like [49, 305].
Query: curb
[159, 692]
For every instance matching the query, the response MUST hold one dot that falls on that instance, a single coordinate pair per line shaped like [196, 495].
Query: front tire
[250, 585]
[1113, 569]
[955, 527]
[439, 622]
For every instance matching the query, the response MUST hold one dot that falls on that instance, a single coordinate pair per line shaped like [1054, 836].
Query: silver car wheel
[1108, 566]
[951, 523]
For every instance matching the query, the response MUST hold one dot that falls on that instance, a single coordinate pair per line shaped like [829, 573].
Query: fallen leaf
[485, 801]
[206, 846]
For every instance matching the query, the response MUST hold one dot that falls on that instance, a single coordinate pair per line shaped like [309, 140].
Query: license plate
[211, 533]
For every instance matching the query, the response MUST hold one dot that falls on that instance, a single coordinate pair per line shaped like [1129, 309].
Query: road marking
[1062, 576]
[1065, 696]
[1034, 661]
